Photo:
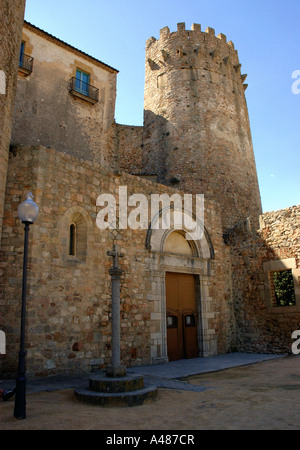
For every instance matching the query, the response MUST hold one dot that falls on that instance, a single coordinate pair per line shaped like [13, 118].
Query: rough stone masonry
[67, 150]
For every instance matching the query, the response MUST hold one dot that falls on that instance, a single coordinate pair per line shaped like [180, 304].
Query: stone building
[49, 104]
[181, 296]
[11, 22]
[11, 14]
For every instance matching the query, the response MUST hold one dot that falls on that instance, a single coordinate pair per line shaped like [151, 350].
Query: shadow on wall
[265, 283]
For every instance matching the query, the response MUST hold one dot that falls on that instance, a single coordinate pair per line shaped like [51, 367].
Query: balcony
[25, 64]
[82, 90]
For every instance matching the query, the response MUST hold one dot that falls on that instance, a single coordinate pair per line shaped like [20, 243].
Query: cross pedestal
[115, 369]
[116, 387]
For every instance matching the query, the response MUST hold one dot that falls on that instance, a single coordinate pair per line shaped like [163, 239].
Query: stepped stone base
[120, 391]
[131, 382]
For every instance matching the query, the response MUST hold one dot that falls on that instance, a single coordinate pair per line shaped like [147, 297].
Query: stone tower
[11, 24]
[197, 132]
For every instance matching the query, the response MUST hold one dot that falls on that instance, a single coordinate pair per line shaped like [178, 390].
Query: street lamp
[27, 212]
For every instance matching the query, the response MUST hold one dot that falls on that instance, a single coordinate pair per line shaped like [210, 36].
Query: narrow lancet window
[72, 248]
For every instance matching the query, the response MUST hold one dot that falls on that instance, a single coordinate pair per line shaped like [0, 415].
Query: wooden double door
[182, 336]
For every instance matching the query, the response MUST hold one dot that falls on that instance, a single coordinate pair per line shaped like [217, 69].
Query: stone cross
[115, 369]
[116, 255]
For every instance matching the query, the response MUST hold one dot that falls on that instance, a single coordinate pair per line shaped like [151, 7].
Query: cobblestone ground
[262, 396]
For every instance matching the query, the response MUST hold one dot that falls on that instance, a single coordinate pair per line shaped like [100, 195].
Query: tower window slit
[72, 248]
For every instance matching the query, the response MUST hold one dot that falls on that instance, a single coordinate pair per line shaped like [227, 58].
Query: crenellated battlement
[194, 49]
[195, 33]
[196, 122]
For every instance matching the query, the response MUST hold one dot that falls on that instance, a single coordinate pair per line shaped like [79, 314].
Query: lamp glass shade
[28, 210]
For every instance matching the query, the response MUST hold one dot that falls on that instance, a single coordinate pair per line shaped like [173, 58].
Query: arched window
[78, 236]
[74, 236]
[72, 240]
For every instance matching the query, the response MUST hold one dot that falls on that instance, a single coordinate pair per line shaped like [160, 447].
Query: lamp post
[27, 212]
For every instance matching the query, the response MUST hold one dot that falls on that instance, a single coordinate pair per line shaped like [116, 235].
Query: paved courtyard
[234, 392]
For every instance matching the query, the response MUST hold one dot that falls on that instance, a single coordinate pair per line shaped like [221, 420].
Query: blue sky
[265, 33]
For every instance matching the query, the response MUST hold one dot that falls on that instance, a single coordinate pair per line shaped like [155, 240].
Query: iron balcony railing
[26, 63]
[83, 89]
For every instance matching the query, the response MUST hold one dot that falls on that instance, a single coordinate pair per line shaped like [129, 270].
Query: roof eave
[75, 50]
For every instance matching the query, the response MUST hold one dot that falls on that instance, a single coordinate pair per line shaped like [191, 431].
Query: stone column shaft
[115, 341]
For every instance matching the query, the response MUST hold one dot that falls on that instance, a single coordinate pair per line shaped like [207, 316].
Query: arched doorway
[188, 261]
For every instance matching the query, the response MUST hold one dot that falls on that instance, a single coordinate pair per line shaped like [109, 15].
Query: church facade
[181, 296]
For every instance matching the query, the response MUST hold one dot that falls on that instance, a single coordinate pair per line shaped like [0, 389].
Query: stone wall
[11, 19]
[68, 301]
[129, 148]
[280, 231]
[262, 327]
